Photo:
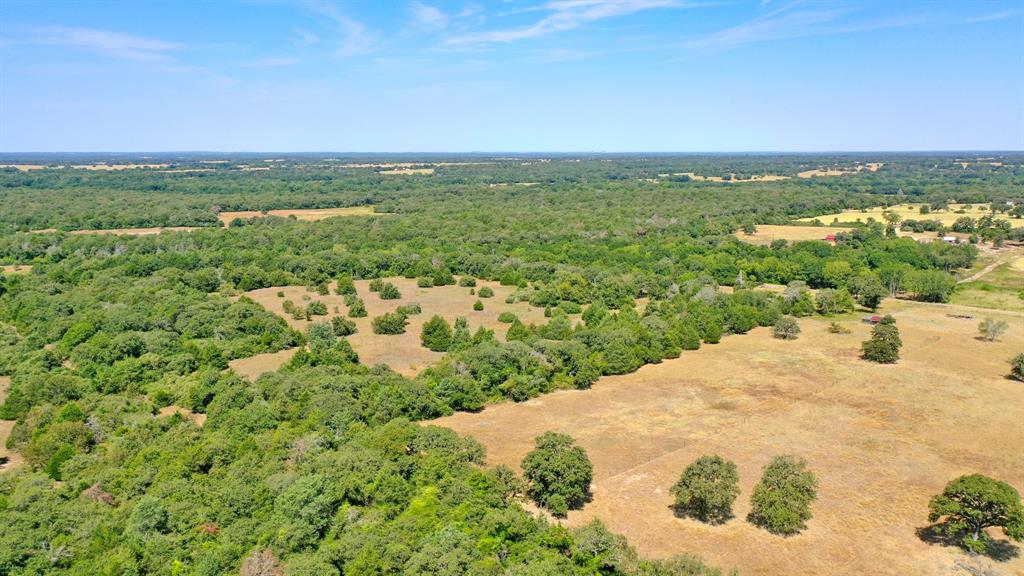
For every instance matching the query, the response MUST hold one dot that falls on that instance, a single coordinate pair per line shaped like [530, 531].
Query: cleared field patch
[840, 171]
[196, 418]
[15, 268]
[766, 233]
[253, 366]
[8, 458]
[402, 352]
[732, 180]
[907, 212]
[407, 171]
[1000, 288]
[135, 231]
[881, 439]
[306, 215]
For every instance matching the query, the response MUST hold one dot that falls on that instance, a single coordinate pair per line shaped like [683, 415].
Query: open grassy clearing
[882, 439]
[734, 180]
[907, 212]
[839, 171]
[8, 458]
[306, 215]
[999, 288]
[253, 366]
[15, 269]
[167, 411]
[766, 233]
[402, 352]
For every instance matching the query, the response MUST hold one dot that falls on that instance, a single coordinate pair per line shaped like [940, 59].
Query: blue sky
[557, 75]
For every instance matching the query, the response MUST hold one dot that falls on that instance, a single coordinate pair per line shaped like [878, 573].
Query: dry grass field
[768, 232]
[307, 215]
[755, 178]
[253, 366]
[403, 352]
[907, 212]
[881, 439]
[833, 171]
[15, 268]
[136, 231]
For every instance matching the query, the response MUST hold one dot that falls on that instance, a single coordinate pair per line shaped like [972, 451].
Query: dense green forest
[321, 468]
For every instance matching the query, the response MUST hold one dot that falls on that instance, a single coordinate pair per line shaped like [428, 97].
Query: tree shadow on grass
[684, 513]
[998, 550]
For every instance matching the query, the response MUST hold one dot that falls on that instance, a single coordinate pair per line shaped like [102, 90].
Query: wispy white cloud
[794, 21]
[105, 42]
[355, 38]
[995, 16]
[565, 15]
[426, 16]
[305, 37]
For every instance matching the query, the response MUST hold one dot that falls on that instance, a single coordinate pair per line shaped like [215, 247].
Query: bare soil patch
[403, 352]
[306, 215]
[882, 440]
[15, 268]
[840, 171]
[9, 459]
[135, 231]
[766, 233]
[733, 180]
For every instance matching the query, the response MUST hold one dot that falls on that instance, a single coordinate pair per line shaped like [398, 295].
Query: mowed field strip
[402, 352]
[881, 439]
[766, 233]
[909, 212]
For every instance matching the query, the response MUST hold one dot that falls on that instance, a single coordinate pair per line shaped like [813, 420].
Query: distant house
[830, 238]
[950, 239]
[875, 319]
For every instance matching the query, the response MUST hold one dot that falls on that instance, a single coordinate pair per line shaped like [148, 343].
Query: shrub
[837, 328]
[781, 501]
[410, 309]
[467, 282]
[317, 308]
[485, 292]
[970, 504]
[786, 328]
[570, 307]
[390, 323]
[436, 334]
[357, 309]
[557, 471]
[345, 285]
[707, 489]
[376, 284]
[343, 326]
[280, 294]
[443, 277]
[506, 317]
[1017, 367]
[991, 329]
[389, 292]
[478, 305]
[425, 282]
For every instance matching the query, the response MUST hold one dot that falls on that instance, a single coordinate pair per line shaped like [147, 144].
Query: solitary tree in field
[781, 502]
[558, 473]
[436, 334]
[970, 504]
[707, 489]
[389, 292]
[1017, 367]
[885, 343]
[786, 328]
[991, 329]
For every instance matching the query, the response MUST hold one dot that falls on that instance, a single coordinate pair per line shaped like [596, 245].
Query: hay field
[882, 440]
[766, 233]
[306, 215]
[402, 352]
[907, 212]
